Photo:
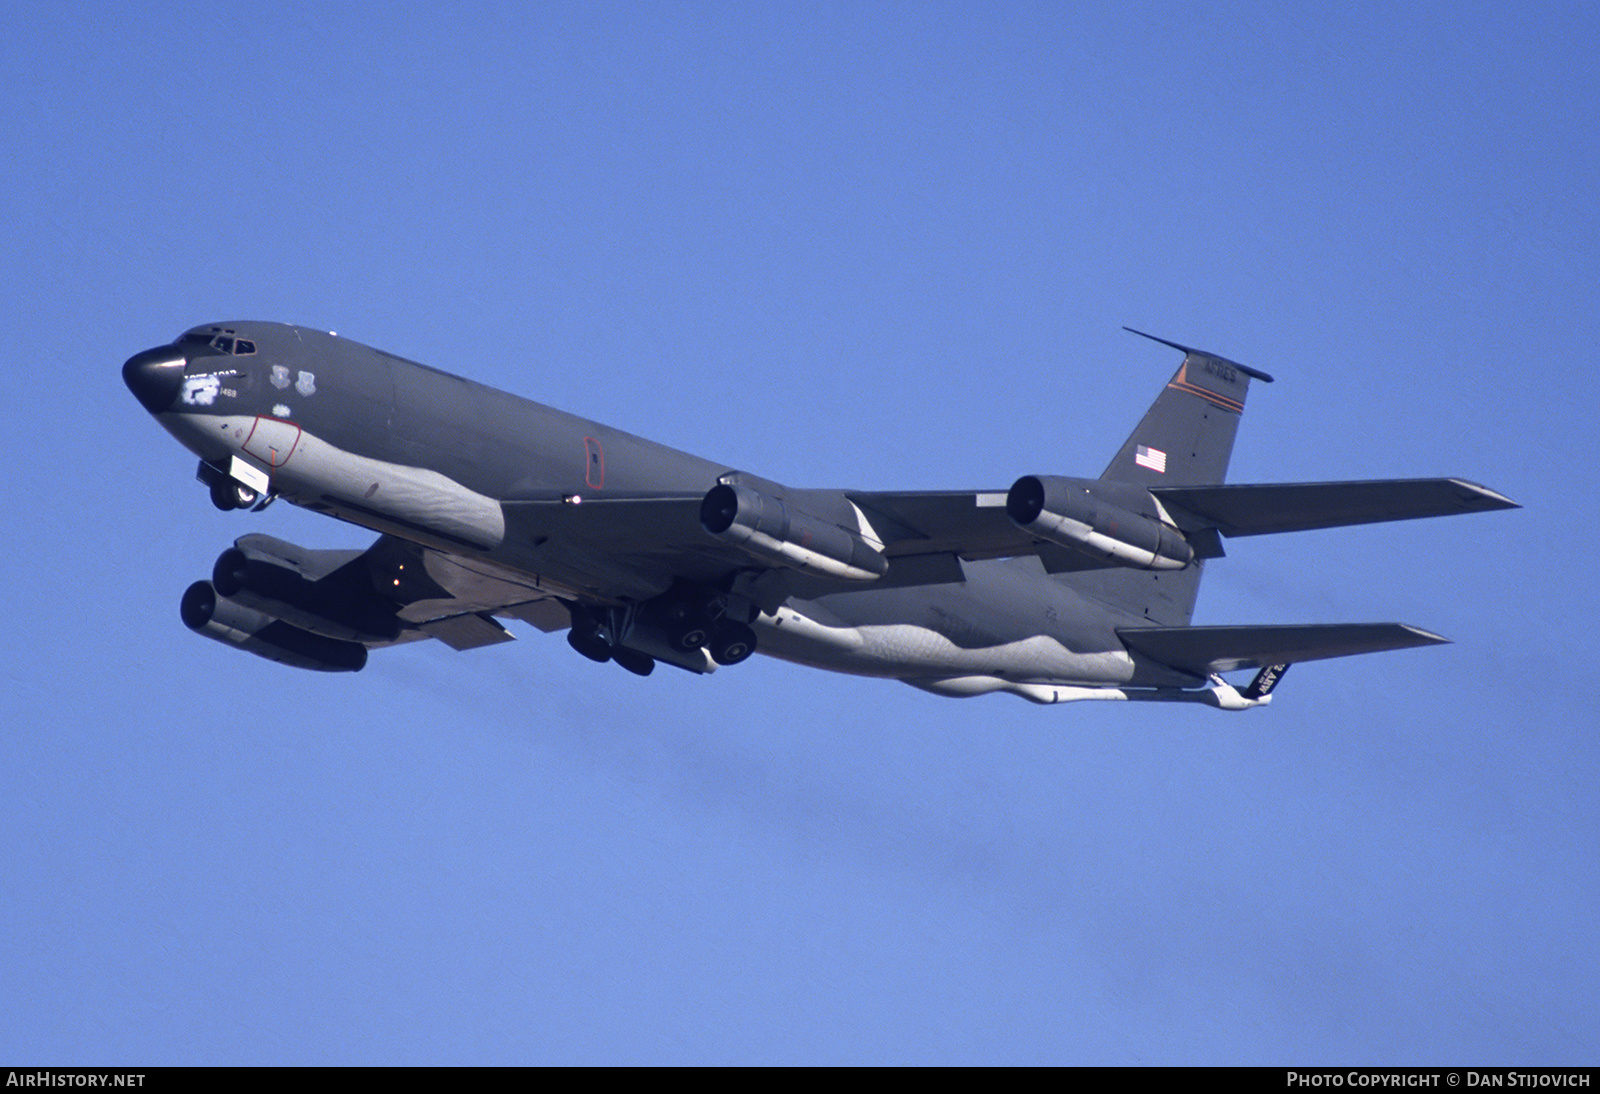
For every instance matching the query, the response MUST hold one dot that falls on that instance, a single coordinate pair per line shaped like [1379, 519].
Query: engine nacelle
[1078, 513]
[324, 608]
[765, 527]
[222, 620]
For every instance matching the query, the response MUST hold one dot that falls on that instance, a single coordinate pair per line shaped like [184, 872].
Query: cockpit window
[224, 343]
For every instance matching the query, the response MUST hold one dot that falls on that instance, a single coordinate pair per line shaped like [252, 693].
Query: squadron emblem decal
[201, 390]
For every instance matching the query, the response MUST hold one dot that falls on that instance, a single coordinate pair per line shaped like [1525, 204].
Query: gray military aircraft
[489, 505]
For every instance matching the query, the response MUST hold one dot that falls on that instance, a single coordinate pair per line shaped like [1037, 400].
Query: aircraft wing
[974, 524]
[434, 594]
[1202, 651]
[969, 523]
[1252, 510]
[638, 546]
[659, 535]
[651, 540]
[966, 524]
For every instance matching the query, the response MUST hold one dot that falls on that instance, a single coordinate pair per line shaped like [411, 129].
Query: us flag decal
[1153, 458]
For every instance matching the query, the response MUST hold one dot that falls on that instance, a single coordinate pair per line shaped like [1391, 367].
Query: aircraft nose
[155, 376]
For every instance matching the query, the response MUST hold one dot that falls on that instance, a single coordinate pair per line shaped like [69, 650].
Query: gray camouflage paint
[524, 504]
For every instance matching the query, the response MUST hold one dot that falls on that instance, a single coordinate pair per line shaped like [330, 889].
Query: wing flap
[965, 524]
[1254, 510]
[467, 632]
[438, 595]
[1202, 651]
[969, 523]
[549, 616]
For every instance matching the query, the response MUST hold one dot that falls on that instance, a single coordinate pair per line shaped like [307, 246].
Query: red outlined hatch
[272, 441]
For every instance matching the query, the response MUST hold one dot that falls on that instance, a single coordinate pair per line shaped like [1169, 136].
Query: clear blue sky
[836, 244]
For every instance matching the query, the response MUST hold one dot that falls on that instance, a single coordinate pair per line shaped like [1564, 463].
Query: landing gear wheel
[690, 638]
[229, 494]
[591, 643]
[687, 617]
[640, 664]
[731, 643]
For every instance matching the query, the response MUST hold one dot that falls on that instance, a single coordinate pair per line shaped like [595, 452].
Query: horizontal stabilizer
[1253, 510]
[1202, 651]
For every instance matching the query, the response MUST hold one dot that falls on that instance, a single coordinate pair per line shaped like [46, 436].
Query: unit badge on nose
[201, 390]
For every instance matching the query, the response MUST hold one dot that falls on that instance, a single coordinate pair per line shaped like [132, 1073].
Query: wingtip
[1424, 637]
[1484, 499]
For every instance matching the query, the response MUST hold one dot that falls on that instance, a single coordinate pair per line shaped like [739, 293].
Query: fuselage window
[243, 346]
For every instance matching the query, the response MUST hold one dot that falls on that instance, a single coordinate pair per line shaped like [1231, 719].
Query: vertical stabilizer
[1184, 439]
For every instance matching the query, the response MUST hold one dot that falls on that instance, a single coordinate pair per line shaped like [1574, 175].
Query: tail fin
[1184, 439]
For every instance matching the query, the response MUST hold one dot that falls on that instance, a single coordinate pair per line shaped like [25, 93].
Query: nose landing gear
[229, 493]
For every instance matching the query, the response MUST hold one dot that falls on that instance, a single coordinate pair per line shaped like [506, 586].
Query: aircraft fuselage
[492, 506]
[383, 442]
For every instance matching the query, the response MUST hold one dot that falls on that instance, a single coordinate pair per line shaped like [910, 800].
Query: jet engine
[233, 624]
[1103, 519]
[768, 528]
